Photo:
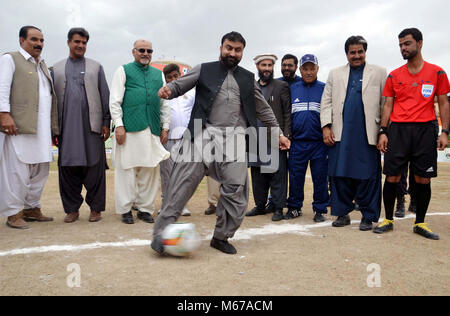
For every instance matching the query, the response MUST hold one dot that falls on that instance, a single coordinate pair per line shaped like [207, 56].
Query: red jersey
[414, 94]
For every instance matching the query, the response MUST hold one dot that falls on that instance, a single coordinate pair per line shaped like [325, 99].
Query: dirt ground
[295, 257]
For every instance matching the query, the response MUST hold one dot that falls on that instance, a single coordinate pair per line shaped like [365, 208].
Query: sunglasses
[143, 50]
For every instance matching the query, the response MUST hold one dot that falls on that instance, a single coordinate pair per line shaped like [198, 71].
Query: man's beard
[229, 61]
[264, 78]
[288, 75]
[410, 55]
[144, 61]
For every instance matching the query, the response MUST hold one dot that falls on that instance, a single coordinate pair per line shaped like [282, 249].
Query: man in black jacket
[276, 93]
[227, 102]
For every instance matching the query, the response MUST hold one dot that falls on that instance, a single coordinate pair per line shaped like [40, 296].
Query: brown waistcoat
[24, 97]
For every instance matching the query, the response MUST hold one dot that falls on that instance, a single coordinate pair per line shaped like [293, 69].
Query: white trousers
[136, 185]
[21, 184]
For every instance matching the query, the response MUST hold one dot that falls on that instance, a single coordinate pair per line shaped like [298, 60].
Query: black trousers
[275, 182]
[72, 180]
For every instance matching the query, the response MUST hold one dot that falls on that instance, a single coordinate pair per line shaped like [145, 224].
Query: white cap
[260, 58]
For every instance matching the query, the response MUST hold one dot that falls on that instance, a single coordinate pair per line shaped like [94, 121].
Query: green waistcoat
[141, 105]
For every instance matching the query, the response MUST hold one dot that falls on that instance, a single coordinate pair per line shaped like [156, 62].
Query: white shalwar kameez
[136, 162]
[24, 159]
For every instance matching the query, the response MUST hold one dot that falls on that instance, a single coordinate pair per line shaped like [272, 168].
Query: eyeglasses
[143, 50]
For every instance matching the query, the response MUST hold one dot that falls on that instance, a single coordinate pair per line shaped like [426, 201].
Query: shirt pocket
[405, 90]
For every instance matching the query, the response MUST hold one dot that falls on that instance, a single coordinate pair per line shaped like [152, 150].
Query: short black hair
[78, 30]
[414, 32]
[171, 67]
[290, 56]
[234, 37]
[23, 33]
[355, 40]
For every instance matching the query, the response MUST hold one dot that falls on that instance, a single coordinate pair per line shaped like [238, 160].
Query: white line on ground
[244, 234]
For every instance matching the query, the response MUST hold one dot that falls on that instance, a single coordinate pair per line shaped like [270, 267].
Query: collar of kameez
[28, 57]
[76, 59]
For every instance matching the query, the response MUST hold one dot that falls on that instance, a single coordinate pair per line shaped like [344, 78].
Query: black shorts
[415, 143]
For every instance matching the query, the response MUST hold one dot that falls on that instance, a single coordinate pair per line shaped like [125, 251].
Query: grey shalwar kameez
[82, 157]
[226, 121]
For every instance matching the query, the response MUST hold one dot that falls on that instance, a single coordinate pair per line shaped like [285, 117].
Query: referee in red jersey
[411, 136]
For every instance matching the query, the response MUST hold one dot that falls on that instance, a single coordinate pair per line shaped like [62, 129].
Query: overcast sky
[190, 30]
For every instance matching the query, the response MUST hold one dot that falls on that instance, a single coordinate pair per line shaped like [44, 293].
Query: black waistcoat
[212, 76]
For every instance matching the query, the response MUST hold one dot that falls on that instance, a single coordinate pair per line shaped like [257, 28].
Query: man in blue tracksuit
[307, 142]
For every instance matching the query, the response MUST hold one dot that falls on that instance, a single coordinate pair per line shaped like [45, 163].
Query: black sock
[423, 197]
[389, 195]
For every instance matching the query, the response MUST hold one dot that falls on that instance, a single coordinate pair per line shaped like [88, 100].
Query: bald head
[141, 41]
[142, 52]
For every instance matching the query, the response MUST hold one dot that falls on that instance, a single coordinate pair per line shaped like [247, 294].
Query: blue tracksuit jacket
[305, 100]
[307, 146]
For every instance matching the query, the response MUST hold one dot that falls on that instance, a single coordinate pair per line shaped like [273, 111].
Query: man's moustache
[37, 47]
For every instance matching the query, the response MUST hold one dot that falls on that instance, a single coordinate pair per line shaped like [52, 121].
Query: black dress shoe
[210, 210]
[256, 211]
[157, 245]
[318, 217]
[270, 208]
[146, 217]
[127, 218]
[277, 215]
[342, 221]
[223, 245]
[365, 225]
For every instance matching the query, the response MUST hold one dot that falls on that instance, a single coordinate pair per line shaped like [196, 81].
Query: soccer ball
[180, 239]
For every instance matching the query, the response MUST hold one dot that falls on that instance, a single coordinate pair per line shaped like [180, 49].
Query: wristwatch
[446, 131]
[383, 130]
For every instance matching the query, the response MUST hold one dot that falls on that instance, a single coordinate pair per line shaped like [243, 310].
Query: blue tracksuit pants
[316, 154]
